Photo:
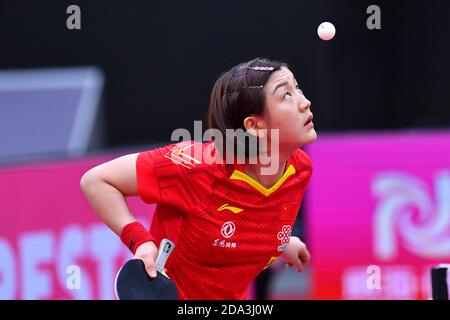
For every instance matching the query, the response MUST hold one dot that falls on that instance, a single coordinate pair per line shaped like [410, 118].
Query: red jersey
[226, 226]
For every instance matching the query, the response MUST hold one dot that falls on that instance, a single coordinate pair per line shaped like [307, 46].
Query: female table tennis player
[228, 221]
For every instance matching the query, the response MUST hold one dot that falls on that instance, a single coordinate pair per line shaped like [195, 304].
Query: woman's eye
[298, 89]
[287, 95]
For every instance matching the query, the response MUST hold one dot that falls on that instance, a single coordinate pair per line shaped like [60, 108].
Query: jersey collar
[239, 174]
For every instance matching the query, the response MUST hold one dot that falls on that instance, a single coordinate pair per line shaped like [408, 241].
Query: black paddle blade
[133, 283]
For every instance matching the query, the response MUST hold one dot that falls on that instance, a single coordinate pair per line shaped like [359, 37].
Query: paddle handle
[165, 249]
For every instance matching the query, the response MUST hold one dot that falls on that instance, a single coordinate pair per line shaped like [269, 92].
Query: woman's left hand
[296, 254]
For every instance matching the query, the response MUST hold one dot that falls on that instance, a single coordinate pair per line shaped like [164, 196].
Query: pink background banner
[52, 244]
[378, 214]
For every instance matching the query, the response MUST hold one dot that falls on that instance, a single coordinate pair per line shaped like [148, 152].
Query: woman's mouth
[309, 121]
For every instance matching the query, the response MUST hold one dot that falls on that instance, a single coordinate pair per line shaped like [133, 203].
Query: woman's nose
[304, 105]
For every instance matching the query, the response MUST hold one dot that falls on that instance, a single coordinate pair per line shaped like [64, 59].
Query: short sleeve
[148, 184]
[162, 179]
[303, 164]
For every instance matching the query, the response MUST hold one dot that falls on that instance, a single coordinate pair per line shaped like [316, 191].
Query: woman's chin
[306, 138]
[309, 137]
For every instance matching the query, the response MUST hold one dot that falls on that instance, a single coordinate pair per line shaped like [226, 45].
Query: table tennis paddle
[133, 283]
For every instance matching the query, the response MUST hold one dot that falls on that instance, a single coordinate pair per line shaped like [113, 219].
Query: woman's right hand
[148, 253]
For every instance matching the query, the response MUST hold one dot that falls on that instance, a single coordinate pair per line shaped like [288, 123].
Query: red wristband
[134, 234]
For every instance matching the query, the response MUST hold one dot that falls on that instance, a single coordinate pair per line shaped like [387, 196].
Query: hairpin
[254, 87]
[261, 68]
[249, 87]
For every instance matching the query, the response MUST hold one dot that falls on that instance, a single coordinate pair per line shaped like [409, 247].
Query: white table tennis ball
[326, 31]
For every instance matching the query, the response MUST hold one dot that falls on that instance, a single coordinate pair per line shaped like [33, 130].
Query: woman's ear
[255, 126]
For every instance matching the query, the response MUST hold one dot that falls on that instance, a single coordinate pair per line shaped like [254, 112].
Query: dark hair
[238, 94]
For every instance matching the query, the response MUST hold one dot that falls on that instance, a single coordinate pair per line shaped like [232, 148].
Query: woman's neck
[268, 180]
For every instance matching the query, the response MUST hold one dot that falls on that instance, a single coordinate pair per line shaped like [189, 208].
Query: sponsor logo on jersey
[284, 236]
[227, 232]
[228, 229]
[231, 208]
